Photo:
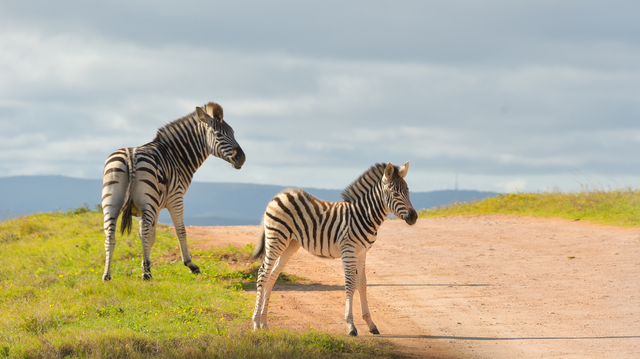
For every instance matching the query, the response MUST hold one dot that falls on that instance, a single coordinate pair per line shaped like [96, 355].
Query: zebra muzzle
[237, 158]
[411, 217]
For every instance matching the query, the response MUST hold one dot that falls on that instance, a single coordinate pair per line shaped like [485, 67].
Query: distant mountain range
[206, 203]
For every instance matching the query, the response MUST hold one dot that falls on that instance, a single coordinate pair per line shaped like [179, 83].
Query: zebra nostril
[411, 217]
[238, 157]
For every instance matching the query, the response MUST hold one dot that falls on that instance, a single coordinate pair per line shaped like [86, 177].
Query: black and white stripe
[345, 229]
[141, 181]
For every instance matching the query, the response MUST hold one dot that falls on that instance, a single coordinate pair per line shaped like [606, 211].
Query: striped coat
[345, 230]
[140, 181]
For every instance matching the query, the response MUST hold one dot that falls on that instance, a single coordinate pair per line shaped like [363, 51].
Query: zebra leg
[176, 212]
[146, 254]
[110, 220]
[110, 240]
[361, 277]
[114, 189]
[273, 277]
[262, 273]
[349, 267]
[147, 232]
[274, 262]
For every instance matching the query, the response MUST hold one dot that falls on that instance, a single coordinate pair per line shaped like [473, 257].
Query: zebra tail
[260, 246]
[126, 222]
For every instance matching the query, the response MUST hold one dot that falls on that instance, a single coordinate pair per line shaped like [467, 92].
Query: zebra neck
[185, 141]
[373, 205]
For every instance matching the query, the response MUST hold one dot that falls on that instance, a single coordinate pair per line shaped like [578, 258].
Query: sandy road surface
[476, 287]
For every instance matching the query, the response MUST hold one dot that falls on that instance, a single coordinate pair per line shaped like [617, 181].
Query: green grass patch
[619, 207]
[240, 273]
[54, 303]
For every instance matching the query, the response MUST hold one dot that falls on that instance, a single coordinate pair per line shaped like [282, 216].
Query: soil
[475, 287]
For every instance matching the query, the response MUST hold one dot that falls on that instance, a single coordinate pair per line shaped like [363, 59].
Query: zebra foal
[140, 181]
[345, 229]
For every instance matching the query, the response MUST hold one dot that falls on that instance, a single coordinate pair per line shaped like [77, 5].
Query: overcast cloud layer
[504, 95]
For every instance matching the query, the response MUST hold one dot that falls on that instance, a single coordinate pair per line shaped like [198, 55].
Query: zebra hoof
[353, 333]
[194, 268]
[106, 277]
[374, 331]
[147, 276]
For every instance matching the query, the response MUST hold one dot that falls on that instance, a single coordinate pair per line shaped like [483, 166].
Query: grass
[53, 303]
[619, 207]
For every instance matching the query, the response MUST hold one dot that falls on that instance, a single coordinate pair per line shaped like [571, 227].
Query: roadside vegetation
[53, 302]
[620, 207]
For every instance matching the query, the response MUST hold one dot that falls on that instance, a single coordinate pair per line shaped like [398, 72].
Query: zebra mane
[368, 179]
[212, 109]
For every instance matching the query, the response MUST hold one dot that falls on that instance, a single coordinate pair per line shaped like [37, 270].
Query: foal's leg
[273, 277]
[276, 257]
[362, 290]
[349, 267]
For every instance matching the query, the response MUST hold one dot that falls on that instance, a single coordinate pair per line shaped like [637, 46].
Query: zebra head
[396, 193]
[220, 138]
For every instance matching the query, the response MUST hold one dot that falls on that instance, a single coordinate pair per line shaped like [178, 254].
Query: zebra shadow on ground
[318, 287]
[450, 337]
[307, 287]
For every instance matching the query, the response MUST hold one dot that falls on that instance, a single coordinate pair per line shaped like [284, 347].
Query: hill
[206, 203]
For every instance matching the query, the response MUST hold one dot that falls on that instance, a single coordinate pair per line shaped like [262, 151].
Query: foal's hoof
[106, 277]
[195, 270]
[374, 331]
[147, 276]
[353, 333]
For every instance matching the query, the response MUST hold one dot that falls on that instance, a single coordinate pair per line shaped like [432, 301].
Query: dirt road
[476, 287]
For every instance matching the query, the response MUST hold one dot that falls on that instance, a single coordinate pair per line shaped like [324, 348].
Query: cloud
[512, 186]
[316, 95]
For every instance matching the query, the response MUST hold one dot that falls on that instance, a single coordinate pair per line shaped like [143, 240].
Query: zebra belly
[317, 225]
[327, 250]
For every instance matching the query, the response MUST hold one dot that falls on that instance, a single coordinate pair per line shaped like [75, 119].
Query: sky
[488, 95]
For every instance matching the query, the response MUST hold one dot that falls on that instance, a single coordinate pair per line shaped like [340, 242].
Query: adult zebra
[345, 229]
[140, 181]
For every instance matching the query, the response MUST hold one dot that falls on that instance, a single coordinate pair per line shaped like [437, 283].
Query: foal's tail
[260, 246]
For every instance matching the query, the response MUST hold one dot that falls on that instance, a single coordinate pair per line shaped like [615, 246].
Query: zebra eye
[218, 134]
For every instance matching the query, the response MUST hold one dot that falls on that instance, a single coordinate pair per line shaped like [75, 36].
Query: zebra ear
[402, 171]
[201, 114]
[388, 172]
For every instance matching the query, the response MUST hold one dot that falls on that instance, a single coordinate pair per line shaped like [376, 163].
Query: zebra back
[321, 227]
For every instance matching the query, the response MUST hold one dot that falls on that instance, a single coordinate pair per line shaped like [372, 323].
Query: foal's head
[396, 193]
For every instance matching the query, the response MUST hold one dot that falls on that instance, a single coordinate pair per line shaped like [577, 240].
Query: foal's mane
[366, 180]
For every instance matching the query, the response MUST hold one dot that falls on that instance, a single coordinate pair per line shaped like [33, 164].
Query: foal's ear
[402, 171]
[388, 172]
[201, 114]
